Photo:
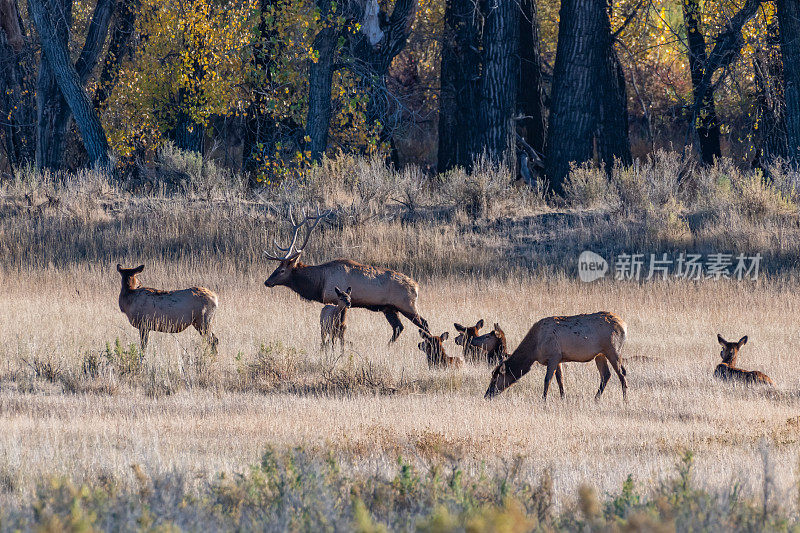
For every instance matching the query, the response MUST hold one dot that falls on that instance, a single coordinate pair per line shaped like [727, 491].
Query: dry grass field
[74, 404]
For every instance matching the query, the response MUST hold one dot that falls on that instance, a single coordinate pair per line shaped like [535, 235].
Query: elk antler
[291, 252]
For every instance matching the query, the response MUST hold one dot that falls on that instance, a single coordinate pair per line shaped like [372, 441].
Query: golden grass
[204, 426]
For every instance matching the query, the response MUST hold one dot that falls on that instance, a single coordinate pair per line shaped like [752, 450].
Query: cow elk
[333, 319]
[562, 339]
[373, 288]
[433, 347]
[464, 338]
[150, 309]
[492, 345]
[727, 370]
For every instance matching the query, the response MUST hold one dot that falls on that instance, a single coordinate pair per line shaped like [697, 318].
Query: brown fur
[373, 288]
[433, 347]
[464, 338]
[595, 337]
[727, 370]
[492, 345]
[333, 319]
[151, 309]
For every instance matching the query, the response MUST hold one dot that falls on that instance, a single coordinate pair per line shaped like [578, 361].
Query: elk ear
[338, 291]
[742, 341]
[119, 268]
[459, 327]
[444, 335]
[498, 332]
[721, 340]
[138, 269]
[349, 289]
[479, 324]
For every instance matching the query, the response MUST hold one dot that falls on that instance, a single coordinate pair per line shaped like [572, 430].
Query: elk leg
[616, 366]
[205, 331]
[143, 334]
[394, 320]
[558, 380]
[551, 368]
[605, 374]
[417, 320]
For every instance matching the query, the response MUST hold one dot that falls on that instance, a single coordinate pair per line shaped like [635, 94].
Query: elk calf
[727, 370]
[166, 311]
[464, 338]
[492, 344]
[433, 348]
[333, 319]
[554, 340]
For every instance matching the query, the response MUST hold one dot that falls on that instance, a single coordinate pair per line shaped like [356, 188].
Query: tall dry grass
[76, 401]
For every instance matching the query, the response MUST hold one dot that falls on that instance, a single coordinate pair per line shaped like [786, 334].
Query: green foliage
[297, 491]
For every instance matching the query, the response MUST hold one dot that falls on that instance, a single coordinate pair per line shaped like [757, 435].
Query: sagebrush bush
[588, 187]
[300, 491]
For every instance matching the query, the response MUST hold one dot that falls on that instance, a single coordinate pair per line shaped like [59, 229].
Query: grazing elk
[464, 338]
[562, 339]
[492, 344]
[433, 347]
[166, 311]
[333, 319]
[727, 370]
[376, 289]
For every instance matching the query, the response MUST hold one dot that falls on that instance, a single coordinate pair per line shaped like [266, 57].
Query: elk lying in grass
[433, 347]
[333, 319]
[491, 345]
[376, 289]
[561, 339]
[464, 338]
[166, 311]
[727, 370]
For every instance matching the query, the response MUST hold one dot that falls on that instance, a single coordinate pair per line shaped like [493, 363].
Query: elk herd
[342, 284]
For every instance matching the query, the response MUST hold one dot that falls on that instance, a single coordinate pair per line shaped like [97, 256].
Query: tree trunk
[613, 142]
[320, 78]
[118, 48]
[530, 97]
[16, 93]
[57, 66]
[499, 81]
[259, 124]
[381, 38]
[580, 58]
[789, 21]
[459, 97]
[770, 142]
[50, 104]
[705, 122]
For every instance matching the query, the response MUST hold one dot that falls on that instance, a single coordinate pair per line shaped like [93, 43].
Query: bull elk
[562, 339]
[727, 370]
[150, 309]
[464, 338]
[373, 288]
[333, 319]
[433, 347]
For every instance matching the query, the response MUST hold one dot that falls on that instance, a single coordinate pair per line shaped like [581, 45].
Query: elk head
[432, 346]
[494, 343]
[502, 378]
[344, 297]
[290, 259]
[730, 350]
[466, 333]
[129, 276]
